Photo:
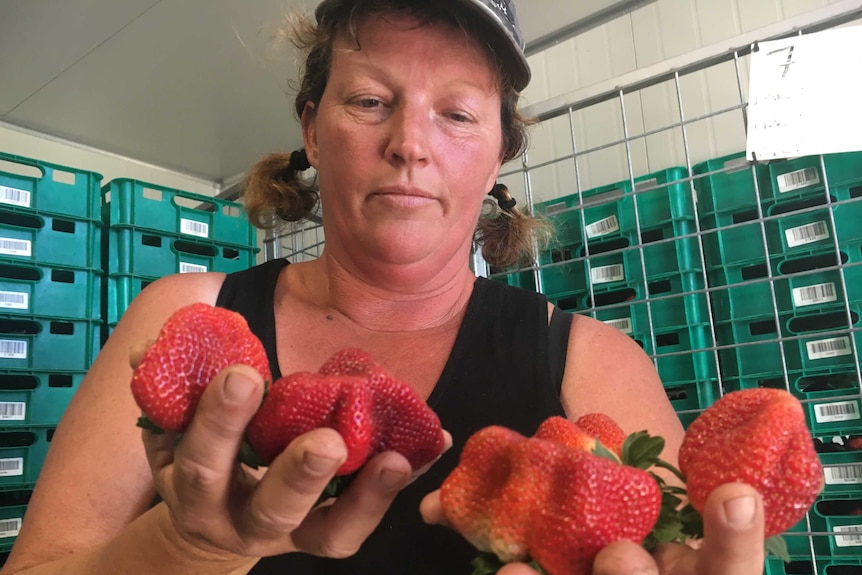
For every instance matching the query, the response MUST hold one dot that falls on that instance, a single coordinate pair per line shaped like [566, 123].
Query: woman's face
[407, 142]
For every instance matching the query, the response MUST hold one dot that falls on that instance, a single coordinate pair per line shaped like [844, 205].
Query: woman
[407, 111]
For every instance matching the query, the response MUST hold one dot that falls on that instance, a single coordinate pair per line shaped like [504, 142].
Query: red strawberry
[533, 498]
[354, 395]
[759, 437]
[605, 430]
[567, 432]
[196, 343]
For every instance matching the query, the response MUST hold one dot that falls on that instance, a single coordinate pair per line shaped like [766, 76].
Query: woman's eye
[459, 117]
[369, 103]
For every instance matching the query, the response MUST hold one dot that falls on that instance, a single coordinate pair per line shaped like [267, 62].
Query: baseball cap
[499, 18]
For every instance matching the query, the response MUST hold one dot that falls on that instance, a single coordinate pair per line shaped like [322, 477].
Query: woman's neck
[389, 305]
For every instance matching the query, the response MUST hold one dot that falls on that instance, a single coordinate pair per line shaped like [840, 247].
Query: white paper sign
[803, 95]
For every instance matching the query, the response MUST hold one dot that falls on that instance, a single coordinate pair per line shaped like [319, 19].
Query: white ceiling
[195, 86]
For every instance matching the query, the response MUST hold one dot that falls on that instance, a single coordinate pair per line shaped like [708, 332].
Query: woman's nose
[409, 136]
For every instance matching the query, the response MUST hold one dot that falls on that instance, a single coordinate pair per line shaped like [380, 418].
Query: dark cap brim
[499, 19]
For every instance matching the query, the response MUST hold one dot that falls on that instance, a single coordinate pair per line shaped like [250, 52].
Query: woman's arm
[607, 372]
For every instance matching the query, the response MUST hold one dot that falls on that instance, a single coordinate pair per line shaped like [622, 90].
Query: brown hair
[275, 188]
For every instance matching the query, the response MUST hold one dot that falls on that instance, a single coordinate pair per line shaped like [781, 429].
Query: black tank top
[505, 369]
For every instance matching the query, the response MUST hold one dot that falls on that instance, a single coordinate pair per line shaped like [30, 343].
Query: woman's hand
[732, 545]
[226, 510]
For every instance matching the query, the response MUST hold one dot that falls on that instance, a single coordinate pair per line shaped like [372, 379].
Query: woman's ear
[309, 132]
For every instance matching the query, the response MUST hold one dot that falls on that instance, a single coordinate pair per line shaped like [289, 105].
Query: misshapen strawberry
[372, 411]
[535, 498]
[195, 343]
[758, 437]
[584, 432]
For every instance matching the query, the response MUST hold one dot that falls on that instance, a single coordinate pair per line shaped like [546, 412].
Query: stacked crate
[783, 251]
[152, 231]
[50, 282]
[628, 253]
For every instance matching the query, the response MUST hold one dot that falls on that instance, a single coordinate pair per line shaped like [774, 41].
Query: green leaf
[486, 564]
[692, 522]
[665, 465]
[603, 451]
[145, 423]
[777, 546]
[642, 450]
[538, 568]
[249, 456]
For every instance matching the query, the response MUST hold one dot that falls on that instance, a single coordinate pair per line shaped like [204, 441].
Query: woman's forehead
[402, 32]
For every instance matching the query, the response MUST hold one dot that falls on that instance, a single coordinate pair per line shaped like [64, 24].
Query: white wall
[21, 143]
[652, 34]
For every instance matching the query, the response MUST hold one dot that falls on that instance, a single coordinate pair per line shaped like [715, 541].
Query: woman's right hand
[223, 509]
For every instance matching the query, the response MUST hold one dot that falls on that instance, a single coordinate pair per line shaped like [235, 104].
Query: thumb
[733, 542]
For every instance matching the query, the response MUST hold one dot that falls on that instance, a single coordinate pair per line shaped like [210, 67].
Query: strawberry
[604, 429]
[195, 343]
[584, 433]
[524, 498]
[758, 437]
[372, 411]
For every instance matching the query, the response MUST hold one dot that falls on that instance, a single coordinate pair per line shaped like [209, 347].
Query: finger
[136, 353]
[293, 484]
[517, 569]
[206, 457]
[432, 511]
[159, 448]
[447, 443]
[624, 558]
[339, 530]
[733, 532]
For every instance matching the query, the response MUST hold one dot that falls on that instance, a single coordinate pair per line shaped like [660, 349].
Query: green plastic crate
[48, 344]
[805, 566]
[802, 177]
[170, 211]
[727, 185]
[33, 398]
[121, 290]
[49, 240]
[841, 517]
[134, 252]
[22, 453]
[694, 396]
[27, 289]
[842, 472]
[522, 279]
[58, 190]
[13, 505]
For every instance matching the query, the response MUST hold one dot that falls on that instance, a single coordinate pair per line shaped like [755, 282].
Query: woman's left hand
[733, 541]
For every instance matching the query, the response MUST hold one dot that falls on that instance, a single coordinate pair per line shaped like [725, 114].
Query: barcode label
[11, 247]
[623, 324]
[807, 234]
[843, 474]
[603, 227]
[825, 348]
[187, 268]
[13, 410]
[798, 179]
[14, 197]
[13, 349]
[10, 528]
[840, 411]
[607, 274]
[14, 300]
[813, 295]
[11, 467]
[849, 535]
[193, 228]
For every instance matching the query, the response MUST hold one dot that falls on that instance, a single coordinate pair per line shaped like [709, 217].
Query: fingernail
[739, 512]
[238, 388]
[392, 479]
[319, 463]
